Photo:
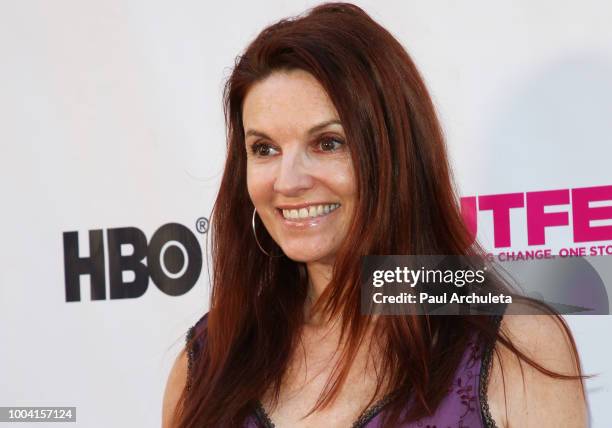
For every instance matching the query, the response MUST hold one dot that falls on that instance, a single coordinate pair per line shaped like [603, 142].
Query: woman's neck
[319, 277]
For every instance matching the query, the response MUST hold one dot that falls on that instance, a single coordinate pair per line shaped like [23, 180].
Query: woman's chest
[310, 374]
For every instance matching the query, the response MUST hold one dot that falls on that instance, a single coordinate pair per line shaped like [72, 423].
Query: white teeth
[309, 212]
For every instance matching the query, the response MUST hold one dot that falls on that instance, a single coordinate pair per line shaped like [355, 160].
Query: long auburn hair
[404, 183]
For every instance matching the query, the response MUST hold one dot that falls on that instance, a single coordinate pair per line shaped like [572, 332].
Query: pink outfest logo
[587, 205]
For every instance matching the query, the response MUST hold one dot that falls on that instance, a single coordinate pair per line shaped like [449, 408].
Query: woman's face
[300, 176]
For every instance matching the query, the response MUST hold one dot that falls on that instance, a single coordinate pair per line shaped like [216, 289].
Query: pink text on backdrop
[585, 205]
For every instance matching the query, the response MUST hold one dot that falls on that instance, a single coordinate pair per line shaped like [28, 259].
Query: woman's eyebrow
[313, 130]
[323, 125]
[255, 133]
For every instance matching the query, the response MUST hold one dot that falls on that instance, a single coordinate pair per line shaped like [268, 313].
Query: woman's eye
[330, 144]
[262, 149]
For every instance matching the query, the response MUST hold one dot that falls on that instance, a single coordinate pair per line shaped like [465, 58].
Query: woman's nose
[294, 175]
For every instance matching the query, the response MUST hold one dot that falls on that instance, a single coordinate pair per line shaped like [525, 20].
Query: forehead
[285, 101]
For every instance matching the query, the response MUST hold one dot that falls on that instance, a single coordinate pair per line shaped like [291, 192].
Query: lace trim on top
[363, 419]
[262, 416]
[485, 368]
[374, 410]
[190, 356]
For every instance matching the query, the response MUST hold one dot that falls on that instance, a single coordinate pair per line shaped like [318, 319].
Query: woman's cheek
[340, 175]
[260, 182]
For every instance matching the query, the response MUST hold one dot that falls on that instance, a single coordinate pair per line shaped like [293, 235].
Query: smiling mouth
[312, 211]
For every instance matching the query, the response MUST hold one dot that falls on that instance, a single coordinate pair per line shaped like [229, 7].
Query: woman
[334, 152]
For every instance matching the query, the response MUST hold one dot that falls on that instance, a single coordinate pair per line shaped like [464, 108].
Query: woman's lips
[303, 223]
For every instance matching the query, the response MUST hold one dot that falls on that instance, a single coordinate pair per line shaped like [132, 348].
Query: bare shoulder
[174, 387]
[518, 393]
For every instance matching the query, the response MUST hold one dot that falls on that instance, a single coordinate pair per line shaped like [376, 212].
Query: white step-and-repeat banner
[112, 144]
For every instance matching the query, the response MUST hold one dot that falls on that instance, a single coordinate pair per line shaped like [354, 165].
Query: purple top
[464, 406]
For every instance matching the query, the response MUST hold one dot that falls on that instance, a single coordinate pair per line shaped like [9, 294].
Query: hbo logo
[173, 256]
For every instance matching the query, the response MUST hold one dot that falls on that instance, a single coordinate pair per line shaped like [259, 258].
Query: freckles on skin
[304, 160]
[286, 106]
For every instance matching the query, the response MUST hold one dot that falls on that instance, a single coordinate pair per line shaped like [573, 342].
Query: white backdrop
[111, 117]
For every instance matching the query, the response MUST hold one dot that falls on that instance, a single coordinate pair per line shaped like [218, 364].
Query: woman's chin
[304, 256]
